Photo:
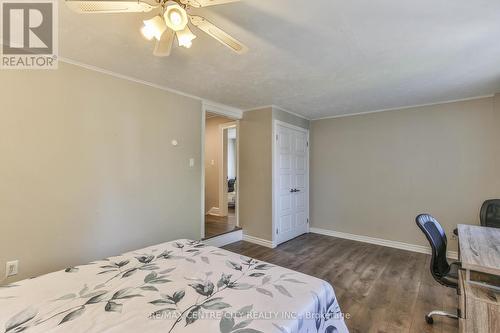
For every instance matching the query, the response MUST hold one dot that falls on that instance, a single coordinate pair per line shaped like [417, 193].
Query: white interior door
[291, 182]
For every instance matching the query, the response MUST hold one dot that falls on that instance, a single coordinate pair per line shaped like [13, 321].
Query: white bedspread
[181, 286]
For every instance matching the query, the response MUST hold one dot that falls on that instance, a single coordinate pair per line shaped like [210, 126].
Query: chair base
[430, 320]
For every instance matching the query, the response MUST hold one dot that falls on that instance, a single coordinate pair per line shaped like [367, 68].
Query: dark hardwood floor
[382, 289]
[218, 225]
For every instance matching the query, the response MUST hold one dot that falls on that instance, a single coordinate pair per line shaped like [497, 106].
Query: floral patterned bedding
[180, 286]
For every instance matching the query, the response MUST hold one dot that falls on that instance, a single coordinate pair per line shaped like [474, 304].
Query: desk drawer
[482, 317]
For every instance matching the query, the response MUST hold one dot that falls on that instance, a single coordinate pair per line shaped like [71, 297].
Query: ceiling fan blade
[111, 6]
[223, 37]
[206, 3]
[163, 47]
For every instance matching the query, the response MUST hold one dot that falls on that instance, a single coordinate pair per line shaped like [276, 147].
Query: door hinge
[276, 137]
[307, 143]
[276, 231]
[308, 221]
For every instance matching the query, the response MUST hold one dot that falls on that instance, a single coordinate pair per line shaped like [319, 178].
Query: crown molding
[221, 109]
[237, 113]
[210, 104]
[272, 106]
[404, 107]
[290, 112]
[258, 108]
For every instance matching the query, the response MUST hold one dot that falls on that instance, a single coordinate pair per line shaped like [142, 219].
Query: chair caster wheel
[429, 320]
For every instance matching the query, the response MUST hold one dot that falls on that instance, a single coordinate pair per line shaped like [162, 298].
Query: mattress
[179, 286]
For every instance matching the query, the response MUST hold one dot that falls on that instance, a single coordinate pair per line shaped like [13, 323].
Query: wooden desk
[479, 279]
[479, 248]
[479, 308]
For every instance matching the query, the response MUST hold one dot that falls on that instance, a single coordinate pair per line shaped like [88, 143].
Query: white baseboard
[230, 237]
[379, 241]
[259, 241]
[214, 211]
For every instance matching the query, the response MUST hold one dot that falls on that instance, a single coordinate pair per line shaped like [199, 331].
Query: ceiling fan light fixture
[185, 37]
[171, 22]
[115, 6]
[147, 33]
[154, 28]
[163, 47]
[175, 16]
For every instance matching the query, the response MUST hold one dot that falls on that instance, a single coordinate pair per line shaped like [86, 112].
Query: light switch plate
[11, 268]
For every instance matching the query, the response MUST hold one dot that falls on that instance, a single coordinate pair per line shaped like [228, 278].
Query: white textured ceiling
[316, 58]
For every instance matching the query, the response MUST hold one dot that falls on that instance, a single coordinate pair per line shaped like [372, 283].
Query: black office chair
[230, 185]
[441, 270]
[490, 213]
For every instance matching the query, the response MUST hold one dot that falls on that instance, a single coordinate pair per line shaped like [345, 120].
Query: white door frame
[225, 111]
[275, 152]
[222, 181]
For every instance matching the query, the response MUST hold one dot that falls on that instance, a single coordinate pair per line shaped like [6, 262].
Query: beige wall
[87, 169]
[496, 104]
[213, 152]
[372, 174]
[256, 169]
[255, 192]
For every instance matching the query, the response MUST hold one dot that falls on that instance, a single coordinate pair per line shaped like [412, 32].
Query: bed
[180, 286]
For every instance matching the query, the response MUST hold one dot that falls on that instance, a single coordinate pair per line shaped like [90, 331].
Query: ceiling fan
[169, 24]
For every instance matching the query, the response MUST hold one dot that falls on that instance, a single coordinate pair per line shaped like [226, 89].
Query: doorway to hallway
[221, 175]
